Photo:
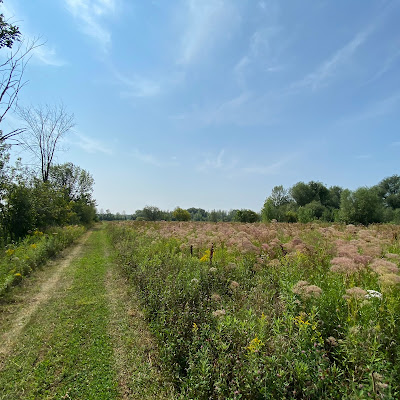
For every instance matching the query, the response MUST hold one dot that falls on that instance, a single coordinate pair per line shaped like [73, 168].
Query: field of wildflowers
[269, 311]
[18, 261]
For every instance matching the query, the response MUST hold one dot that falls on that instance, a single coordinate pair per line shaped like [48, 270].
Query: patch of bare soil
[30, 300]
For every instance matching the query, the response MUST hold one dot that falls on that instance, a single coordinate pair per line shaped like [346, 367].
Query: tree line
[303, 202]
[306, 202]
[48, 194]
[152, 213]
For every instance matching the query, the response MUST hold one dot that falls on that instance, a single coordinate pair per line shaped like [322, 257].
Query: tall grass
[18, 260]
[281, 311]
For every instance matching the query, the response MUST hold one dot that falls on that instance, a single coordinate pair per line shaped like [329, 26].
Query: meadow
[269, 311]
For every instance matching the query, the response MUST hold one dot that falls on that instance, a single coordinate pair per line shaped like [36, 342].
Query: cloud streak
[42, 54]
[150, 159]
[90, 15]
[90, 145]
[328, 69]
[137, 86]
[207, 24]
[378, 109]
[47, 56]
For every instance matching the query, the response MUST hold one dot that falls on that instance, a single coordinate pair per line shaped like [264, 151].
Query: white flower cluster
[373, 294]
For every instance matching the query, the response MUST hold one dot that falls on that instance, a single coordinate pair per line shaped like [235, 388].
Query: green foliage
[181, 215]
[363, 206]
[279, 196]
[284, 325]
[151, 213]
[74, 181]
[8, 33]
[18, 260]
[389, 190]
[312, 201]
[198, 214]
[28, 203]
[246, 216]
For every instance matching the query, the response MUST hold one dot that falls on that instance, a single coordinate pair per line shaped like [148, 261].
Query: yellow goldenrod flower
[299, 320]
[206, 256]
[255, 345]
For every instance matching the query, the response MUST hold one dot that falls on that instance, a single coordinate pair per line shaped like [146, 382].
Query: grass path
[75, 332]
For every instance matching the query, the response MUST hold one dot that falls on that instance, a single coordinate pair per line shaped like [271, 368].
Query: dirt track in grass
[74, 329]
[47, 280]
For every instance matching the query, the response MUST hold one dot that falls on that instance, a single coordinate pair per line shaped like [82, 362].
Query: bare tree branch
[11, 80]
[44, 127]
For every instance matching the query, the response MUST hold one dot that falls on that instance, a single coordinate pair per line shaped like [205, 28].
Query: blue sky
[211, 103]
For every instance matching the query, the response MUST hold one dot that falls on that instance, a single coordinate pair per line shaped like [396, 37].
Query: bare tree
[44, 127]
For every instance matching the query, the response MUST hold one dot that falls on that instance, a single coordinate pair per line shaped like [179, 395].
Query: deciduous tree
[45, 127]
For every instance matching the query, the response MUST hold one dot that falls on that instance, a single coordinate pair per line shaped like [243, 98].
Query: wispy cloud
[137, 86]
[213, 162]
[90, 145]
[377, 109]
[153, 160]
[48, 56]
[43, 53]
[91, 15]
[265, 44]
[388, 64]
[329, 68]
[270, 169]
[207, 23]
[228, 109]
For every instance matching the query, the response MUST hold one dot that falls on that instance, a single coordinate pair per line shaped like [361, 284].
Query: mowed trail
[74, 330]
[32, 302]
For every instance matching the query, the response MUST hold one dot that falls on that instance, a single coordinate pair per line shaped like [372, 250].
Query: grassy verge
[65, 351]
[18, 261]
[88, 340]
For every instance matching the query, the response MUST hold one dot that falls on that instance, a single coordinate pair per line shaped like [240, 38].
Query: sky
[212, 103]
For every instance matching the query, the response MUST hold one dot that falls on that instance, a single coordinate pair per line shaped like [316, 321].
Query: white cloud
[90, 145]
[228, 109]
[266, 45]
[48, 56]
[271, 169]
[90, 15]
[208, 22]
[153, 160]
[378, 109]
[42, 54]
[213, 162]
[328, 69]
[137, 86]
[388, 64]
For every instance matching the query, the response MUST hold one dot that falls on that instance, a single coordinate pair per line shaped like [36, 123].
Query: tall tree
[12, 70]
[8, 33]
[45, 127]
[74, 181]
[389, 189]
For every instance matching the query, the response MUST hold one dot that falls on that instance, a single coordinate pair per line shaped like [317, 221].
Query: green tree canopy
[73, 180]
[9, 33]
[389, 190]
[363, 206]
[246, 216]
[181, 215]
